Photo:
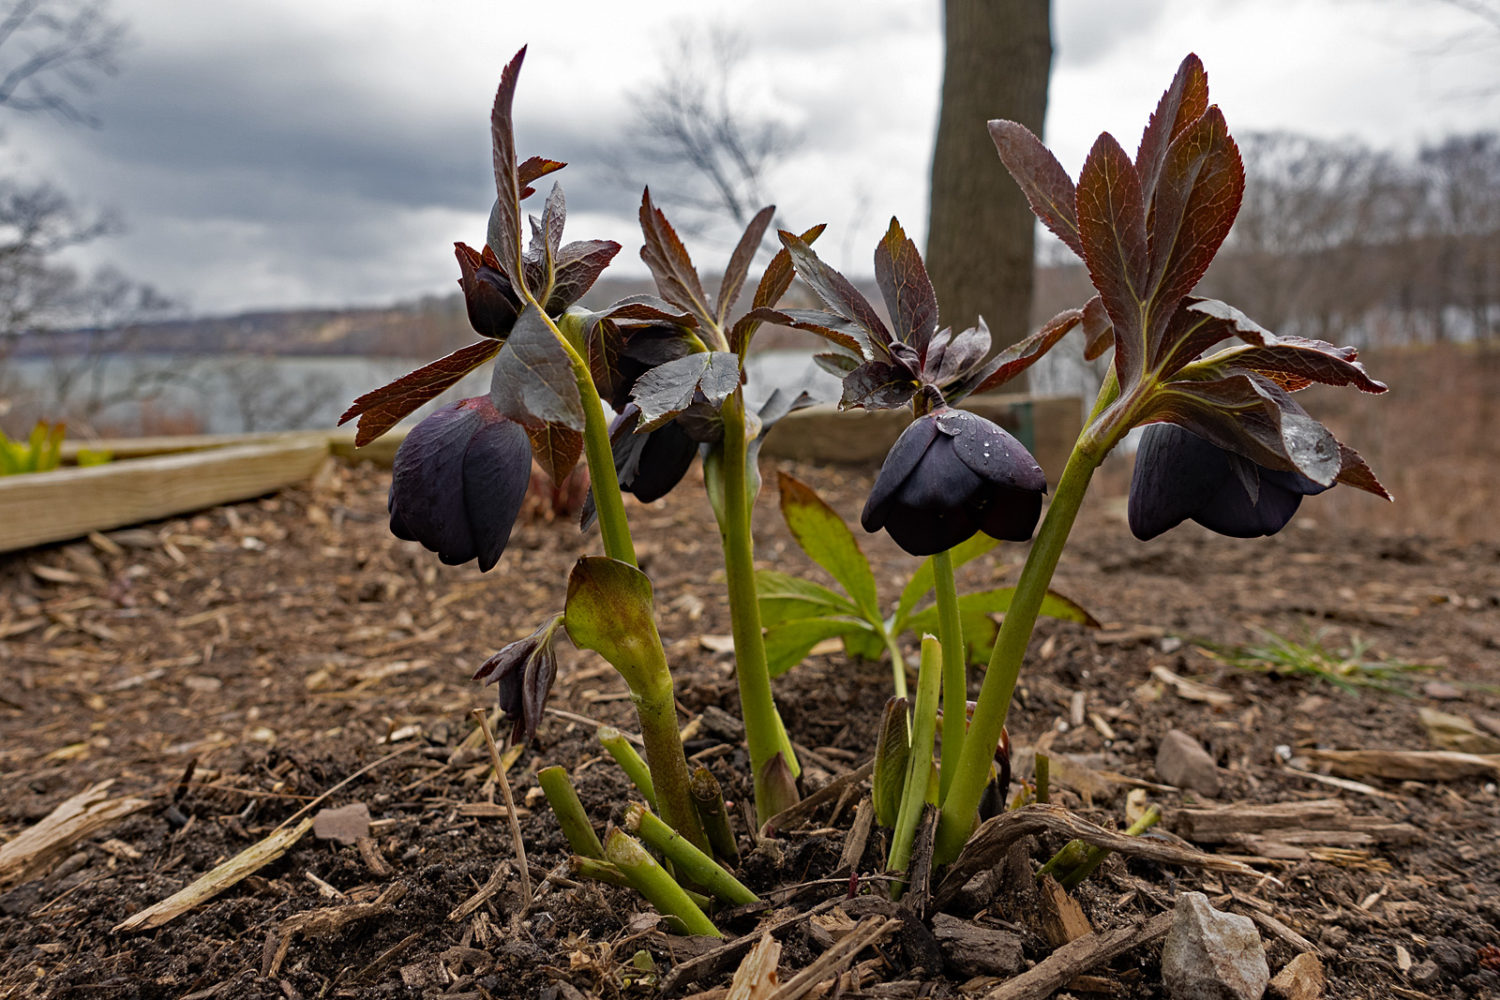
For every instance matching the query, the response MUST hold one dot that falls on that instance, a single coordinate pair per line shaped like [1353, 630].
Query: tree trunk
[980, 250]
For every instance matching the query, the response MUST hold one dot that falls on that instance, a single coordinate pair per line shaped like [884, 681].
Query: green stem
[699, 867]
[962, 803]
[1095, 856]
[652, 881]
[708, 796]
[898, 662]
[657, 709]
[919, 764]
[630, 762]
[569, 811]
[955, 673]
[609, 504]
[765, 736]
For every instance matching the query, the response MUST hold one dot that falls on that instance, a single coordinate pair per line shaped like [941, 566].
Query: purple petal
[899, 463]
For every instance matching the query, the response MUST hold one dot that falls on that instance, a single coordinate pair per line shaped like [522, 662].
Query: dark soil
[232, 666]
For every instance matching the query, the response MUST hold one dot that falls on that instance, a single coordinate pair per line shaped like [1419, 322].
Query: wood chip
[33, 851]
[209, 885]
[994, 836]
[756, 978]
[1063, 919]
[1073, 959]
[1409, 765]
[1192, 690]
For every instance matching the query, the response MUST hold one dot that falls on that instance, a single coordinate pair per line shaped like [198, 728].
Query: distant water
[225, 395]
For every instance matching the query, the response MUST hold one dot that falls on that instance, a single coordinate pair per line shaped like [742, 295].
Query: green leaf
[825, 537]
[892, 753]
[920, 584]
[864, 646]
[976, 612]
[784, 597]
[533, 381]
[787, 644]
[610, 611]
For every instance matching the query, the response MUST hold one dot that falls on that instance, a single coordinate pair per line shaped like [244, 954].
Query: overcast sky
[269, 153]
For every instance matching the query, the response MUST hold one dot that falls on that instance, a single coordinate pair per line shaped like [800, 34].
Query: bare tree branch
[53, 52]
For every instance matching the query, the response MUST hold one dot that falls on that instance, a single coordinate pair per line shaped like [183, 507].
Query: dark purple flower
[491, 302]
[1179, 475]
[458, 482]
[650, 465]
[524, 670]
[952, 474]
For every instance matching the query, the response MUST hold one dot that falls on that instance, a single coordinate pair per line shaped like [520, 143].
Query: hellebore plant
[673, 370]
[1147, 229]
[1228, 445]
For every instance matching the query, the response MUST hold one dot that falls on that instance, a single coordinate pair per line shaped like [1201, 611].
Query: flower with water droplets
[951, 474]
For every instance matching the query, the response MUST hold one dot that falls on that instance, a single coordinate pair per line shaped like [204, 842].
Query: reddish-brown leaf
[578, 266]
[1048, 188]
[1354, 472]
[1020, 356]
[907, 290]
[505, 228]
[740, 261]
[836, 292]
[1248, 414]
[1112, 229]
[1295, 363]
[773, 285]
[1098, 331]
[383, 408]
[1181, 105]
[676, 278]
[1197, 198]
[532, 170]
[556, 449]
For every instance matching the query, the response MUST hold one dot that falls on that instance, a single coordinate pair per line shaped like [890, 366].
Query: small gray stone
[1182, 761]
[1211, 955]
[345, 824]
[1426, 973]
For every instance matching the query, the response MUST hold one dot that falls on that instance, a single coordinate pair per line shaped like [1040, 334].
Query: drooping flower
[492, 303]
[1179, 475]
[652, 463]
[951, 474]
[524, 671]
[458, 482]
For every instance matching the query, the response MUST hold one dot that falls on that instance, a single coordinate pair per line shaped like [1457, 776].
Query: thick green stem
[569, 811]
[603, 479]
[961, 805]
[630, 762]
[955, 673]
[919, 764]
[898, 662]
[765, 736]
[697, 866]
[657, 710]
[652, 881]
[708, 796]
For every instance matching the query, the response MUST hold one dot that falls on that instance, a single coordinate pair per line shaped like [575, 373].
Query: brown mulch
[231, 666]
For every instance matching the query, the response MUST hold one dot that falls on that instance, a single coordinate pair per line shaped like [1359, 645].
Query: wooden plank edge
[44, 507]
